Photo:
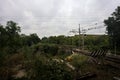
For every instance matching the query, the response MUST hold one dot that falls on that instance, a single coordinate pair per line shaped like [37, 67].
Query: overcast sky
[57, 17]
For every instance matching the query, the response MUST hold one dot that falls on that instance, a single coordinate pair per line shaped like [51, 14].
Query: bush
[44, 68]
[78, 61]
[46, 48]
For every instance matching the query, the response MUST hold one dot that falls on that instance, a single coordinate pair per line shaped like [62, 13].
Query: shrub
[78, 60]
[44, 68]
[46, 48]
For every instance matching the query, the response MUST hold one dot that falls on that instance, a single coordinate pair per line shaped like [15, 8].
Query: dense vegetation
[113, 28]
[11, 40]
[91, 42]
[37, 57]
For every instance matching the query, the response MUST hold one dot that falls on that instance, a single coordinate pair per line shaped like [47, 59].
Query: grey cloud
[53, 17]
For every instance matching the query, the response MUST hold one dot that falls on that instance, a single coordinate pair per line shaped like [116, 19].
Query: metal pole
[82, 40]
[79, 35]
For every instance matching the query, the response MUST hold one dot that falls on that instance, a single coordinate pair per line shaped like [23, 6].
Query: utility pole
[83, 41]
[82, 38]
[79, 35]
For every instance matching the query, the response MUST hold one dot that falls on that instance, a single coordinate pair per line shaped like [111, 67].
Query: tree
[44, 40]
[34, 38]
[3, 36]
[13, 30]
[28, 40]
[113, 28]
[9, 37]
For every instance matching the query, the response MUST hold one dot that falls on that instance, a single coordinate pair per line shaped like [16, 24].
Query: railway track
[112, 60]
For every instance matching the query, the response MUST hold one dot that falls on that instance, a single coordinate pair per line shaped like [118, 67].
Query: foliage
[30, 40]
[10, 44]
[96, 42]
[9, 37]
[113, 28]
[51, 49]
[7, 67]
[44, 68]
[78, 60]
[11, 40]
[90, 41]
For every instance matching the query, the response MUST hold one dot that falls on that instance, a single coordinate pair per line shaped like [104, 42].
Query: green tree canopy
[11, 39]
[113, 27]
